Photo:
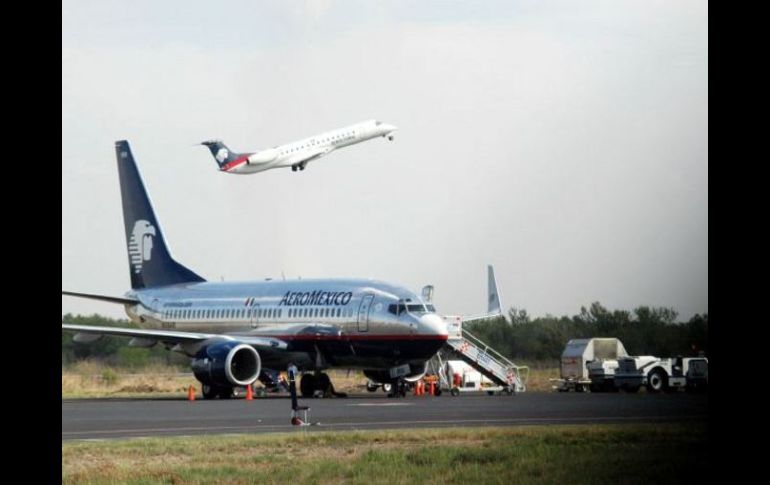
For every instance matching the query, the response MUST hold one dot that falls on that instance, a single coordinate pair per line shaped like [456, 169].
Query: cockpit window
[419, 308]
[431, 308]
[396, 309]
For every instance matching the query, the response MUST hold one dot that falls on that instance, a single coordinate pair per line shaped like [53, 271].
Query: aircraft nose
[433, 324]
[388, 128]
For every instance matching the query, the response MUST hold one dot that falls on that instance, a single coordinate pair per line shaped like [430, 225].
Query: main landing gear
[298, 166]
[318, 384]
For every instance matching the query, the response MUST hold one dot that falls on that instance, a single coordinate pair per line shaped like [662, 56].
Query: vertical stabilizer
[149, 260]
[222, 155]
[493, 295]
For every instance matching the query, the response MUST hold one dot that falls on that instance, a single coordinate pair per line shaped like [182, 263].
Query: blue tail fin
[148, 257]
[222, 154]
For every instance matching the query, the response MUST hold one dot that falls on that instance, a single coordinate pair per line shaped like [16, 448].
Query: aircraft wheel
[387, 387]
[225, 393]
[490, 393]
[307, 385]
[402, 389]
[209, 392]
[372, 387]
[323, 383]
[455, 391]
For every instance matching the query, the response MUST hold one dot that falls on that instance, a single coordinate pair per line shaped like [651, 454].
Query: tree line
[644, 331]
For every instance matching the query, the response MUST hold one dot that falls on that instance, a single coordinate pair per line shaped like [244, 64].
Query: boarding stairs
[484, 359]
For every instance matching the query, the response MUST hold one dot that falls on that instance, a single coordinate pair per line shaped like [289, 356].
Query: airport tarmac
[141, 417]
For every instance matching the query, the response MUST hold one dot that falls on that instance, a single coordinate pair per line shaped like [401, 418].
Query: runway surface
[126, 418]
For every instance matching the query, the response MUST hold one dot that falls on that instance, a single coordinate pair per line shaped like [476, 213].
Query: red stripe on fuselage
[235, 163]
[442, 338]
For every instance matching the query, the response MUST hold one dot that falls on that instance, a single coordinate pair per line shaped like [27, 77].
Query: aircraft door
[254, 315]
[363, 312]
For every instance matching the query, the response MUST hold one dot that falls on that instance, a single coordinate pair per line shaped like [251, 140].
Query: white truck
[657, 374]
[589, 364]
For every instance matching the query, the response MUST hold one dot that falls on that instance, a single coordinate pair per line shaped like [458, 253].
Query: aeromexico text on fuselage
[316, 298]
[296, 298]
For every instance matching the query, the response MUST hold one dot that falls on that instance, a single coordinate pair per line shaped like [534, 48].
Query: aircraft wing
[107, 298]
[475, 318]
[311, 155]
[494, 307]
[175, 336]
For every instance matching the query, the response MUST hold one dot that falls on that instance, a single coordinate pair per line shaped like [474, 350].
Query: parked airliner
[299, 153]
[234, 331]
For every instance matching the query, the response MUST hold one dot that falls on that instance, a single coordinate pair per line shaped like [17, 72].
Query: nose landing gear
[397, 388]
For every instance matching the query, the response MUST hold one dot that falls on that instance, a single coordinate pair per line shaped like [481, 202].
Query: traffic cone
[432, 388]
[191, 393]
[249, 393]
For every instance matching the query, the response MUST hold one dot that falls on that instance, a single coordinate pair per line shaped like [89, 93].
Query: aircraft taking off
[235, 331]
[299, 153]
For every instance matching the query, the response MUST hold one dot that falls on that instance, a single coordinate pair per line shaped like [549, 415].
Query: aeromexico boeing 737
[299, 153]
[233, 331]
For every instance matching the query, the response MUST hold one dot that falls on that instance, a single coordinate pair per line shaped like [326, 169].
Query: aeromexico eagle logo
[222, 155]
[140, 244]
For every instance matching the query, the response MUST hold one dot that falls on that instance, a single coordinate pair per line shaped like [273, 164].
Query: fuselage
[355, 323]
[297, 154]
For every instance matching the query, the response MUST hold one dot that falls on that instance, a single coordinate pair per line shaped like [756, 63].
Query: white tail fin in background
[493, 295]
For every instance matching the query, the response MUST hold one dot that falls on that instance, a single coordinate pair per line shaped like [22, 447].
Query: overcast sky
[564, 142]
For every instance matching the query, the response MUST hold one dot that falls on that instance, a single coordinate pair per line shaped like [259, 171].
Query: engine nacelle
[416, 372]
[227, 363]
[263, 156]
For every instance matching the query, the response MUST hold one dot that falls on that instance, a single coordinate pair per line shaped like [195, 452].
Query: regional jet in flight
[299, 153]
[235, 331]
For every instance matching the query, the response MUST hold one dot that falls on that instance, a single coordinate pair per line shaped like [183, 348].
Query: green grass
[657, 453]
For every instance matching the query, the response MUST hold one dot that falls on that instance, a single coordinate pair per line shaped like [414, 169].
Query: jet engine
[263, 156]
[227, 363]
